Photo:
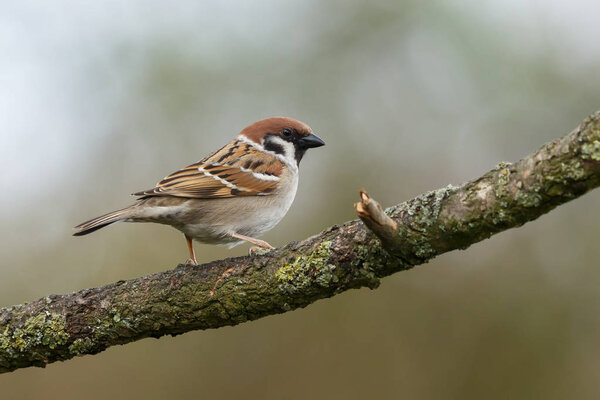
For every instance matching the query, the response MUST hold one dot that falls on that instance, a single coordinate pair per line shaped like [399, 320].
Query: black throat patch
[299, 153]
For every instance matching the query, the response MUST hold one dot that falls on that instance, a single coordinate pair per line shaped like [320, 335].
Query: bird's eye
[286, 133]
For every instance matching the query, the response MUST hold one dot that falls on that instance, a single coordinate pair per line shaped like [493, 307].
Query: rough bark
[235, 290]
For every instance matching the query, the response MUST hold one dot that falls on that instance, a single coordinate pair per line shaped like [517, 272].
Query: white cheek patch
[288, 151]
[287, 157]
[288, 148]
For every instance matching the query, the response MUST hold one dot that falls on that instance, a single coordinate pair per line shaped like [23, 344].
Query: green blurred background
[100, 99]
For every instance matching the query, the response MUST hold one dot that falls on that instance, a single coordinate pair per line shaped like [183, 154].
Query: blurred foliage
[100, 101]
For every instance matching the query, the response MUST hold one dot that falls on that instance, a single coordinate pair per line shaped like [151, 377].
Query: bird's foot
[255, 250]
[260, 243]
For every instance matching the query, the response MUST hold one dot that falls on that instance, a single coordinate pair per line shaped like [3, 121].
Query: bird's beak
[311, 141]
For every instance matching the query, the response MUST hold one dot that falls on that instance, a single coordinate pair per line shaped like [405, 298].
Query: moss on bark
[234, 290]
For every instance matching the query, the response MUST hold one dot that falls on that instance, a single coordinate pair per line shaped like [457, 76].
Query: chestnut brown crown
[276, 134]
[274, 126]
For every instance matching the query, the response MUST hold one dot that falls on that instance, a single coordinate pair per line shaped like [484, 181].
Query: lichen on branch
[235, 290]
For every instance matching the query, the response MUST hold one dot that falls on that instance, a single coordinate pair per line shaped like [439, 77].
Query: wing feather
[235, 170]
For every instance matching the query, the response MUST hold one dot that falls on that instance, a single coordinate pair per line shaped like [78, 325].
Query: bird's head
[286, 137]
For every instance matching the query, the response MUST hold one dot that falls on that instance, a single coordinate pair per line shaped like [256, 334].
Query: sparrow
[233, 195]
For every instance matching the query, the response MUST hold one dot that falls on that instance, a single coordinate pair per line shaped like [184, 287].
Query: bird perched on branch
[235, 194]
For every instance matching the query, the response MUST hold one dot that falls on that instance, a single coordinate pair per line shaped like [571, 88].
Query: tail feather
[101, 221]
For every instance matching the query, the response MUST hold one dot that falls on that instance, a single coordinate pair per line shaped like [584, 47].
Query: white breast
[212, 221]
[271, 209]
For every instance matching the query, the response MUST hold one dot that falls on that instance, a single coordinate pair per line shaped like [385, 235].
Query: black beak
[311, 141]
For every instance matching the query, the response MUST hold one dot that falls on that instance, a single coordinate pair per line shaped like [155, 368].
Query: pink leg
[192, 259]
[260, 243]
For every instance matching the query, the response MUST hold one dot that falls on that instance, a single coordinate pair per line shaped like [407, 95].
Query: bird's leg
[260, 243]
[190, 245]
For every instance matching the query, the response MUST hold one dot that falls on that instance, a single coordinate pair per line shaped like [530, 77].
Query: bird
[231, 196]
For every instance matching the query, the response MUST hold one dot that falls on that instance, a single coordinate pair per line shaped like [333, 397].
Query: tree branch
[235, 290]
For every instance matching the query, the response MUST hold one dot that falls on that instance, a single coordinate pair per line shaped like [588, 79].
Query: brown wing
[231, 171]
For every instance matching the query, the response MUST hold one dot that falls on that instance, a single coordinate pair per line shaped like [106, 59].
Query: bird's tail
[102, 221]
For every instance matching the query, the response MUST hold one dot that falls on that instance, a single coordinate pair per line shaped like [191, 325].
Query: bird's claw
[256, 250]
[191, 263]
